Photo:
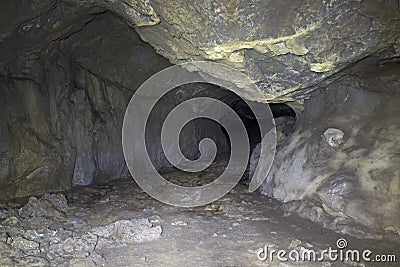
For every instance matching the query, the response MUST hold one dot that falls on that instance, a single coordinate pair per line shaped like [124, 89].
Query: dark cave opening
[196, 130]
[284, 117]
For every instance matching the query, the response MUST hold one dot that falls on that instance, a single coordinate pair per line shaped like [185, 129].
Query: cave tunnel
[78, 189]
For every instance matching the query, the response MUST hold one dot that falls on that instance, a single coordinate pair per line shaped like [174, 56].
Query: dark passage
[284, 115]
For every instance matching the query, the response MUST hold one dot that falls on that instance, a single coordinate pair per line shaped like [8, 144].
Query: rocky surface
[341, 164]
[62, 109]
[288, 47]
[117, 224]
[45, 232]
[68, 69]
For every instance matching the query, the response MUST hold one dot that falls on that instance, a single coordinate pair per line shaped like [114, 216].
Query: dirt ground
[129, 228]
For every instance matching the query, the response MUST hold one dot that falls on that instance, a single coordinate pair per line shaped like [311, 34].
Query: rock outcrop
[340, 166]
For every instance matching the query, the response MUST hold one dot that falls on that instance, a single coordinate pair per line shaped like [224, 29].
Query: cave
[313, 87]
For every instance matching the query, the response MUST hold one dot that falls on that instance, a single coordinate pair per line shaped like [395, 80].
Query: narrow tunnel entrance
[285, 118]
[201, 128]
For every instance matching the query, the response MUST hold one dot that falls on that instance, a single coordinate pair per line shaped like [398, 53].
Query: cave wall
[62, 109]
[348, 182]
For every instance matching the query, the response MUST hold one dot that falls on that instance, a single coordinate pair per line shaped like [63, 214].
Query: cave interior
[329, 73]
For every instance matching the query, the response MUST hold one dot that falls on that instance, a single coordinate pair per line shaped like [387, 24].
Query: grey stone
[25, 245]
[128, 232]
[334, 137]
[52, 206]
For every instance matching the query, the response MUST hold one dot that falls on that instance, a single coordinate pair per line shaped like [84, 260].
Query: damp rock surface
[286, 46]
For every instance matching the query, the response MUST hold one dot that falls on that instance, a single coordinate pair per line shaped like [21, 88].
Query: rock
[78, 246]
[255, 155]
[156, 219]
[355, 180]
[333, 137]
[3, 214]
[179, 223]
[214, 208]
[129, 232]
[336, 191]
[53, 206]
[9, 256]
[25, 245]
[33, 261]
[295, 244]
[34, 234]
[11, 222]
[93, 260]
[300, 47]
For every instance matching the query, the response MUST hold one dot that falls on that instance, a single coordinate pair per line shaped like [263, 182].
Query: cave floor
[228, 232]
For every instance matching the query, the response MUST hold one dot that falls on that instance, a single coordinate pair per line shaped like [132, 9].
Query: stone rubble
[41, 233]
[133, 229]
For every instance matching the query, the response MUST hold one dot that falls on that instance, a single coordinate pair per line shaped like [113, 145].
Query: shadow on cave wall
[62, 107]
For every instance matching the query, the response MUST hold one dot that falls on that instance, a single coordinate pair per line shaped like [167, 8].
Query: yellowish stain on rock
[296, 47]
[397, 46]
[136, 9]
[322, 67]
[279, 46]
[236, 57]
[293, 46]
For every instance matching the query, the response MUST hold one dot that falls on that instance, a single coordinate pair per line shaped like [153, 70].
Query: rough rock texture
[357, 179]
[286, 46]
[62, 109]
[34, 235]
[68, 69]
[127, 232]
